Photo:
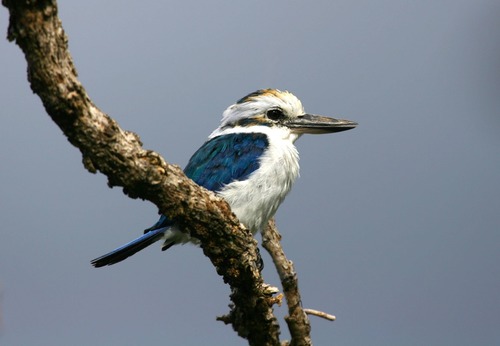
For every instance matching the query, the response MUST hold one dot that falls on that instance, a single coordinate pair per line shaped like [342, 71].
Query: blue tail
[131, 248]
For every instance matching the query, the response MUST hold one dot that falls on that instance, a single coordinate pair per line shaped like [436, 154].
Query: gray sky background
[394, 226]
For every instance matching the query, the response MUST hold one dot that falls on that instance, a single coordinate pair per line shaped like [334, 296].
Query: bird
[250, 160]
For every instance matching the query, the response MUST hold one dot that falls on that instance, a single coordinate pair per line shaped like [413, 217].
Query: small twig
[320, 314]
[297, 320]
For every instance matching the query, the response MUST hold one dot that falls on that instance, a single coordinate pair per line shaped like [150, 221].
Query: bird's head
[277, 110]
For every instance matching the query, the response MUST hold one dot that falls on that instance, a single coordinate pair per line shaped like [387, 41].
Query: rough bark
[118, 154]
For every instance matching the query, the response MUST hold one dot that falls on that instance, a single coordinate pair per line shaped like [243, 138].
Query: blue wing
[218, 162]
[226, 158]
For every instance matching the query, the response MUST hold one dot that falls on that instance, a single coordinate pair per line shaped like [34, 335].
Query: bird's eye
[275, 114]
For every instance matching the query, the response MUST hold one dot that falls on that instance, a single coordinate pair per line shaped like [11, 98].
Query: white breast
[256, 199]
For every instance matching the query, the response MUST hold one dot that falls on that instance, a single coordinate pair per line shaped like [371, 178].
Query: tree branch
[118, 154]
[297, 320]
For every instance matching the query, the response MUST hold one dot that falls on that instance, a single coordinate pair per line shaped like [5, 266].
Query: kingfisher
[250, 160]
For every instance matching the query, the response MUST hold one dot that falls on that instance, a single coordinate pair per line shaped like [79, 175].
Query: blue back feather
[226, 158]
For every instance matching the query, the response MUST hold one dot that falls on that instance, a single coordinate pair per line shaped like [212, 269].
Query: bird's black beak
[317, 124]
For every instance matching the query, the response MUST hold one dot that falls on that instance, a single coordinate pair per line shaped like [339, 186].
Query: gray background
[394, 226]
